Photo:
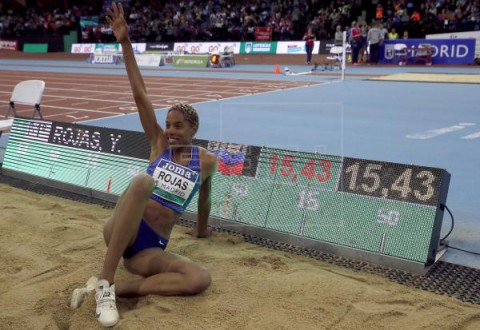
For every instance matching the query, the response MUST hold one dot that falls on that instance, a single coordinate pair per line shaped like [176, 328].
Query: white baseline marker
[436, 132]
[61, 114]
[471, 136]
[78, 103]
[78, 118]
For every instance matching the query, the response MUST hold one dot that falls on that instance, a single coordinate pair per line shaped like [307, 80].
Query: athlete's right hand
[117, 22]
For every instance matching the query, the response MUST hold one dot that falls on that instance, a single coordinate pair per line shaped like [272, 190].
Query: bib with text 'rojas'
[174, 182]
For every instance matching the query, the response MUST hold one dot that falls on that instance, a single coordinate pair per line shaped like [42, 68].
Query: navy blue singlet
[175, 185]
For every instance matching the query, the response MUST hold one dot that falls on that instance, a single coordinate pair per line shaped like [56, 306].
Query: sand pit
[432, 77]
[51, 245]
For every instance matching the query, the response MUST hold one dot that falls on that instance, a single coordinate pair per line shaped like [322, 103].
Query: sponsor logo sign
[8, 45]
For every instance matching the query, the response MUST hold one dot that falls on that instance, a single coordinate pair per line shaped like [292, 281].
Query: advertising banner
[160, 46]
[35, 48]
[105, 59]
[325, 46]
[459, 35]
[151, 60]
[8, 45]
[83, 48]
[295, 47]
[138, 48]
[254, 47]
[107, 49]
[196, 61]
[206, 47]
[444, 51]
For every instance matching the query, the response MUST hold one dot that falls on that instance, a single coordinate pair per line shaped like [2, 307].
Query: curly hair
[188, 112]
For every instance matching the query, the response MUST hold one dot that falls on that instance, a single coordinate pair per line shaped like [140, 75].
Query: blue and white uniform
[175, 186]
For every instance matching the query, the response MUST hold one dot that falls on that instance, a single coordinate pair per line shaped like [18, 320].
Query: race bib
[174, 182]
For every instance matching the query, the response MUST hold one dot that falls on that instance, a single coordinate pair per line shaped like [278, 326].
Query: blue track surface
[357, 118]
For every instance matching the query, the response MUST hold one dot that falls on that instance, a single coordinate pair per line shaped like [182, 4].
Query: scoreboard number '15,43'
[408, 183]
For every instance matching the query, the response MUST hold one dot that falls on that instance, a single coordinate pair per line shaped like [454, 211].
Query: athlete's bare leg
[121, 229]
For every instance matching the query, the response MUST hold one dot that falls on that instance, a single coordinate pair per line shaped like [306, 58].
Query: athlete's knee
[198, 281]
[142, 185]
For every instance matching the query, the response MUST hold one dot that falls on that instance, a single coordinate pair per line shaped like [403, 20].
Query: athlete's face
[178, 130]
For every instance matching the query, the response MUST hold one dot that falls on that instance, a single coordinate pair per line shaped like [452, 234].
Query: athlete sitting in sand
[143, 219]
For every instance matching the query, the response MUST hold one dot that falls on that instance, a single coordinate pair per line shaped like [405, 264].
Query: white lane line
[109, 107]
[128, 108]
[439, 131]
[78, 103]
[61, 114]
[78, 109]
[78, 118]
[87, 99]
[471, 136]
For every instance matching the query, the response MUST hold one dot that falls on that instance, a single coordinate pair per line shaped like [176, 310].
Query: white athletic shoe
[79, 294]
[106, 311]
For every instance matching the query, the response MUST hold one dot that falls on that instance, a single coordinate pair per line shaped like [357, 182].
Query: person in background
[393, 35]
[338, 40]
[355, 42]
[309, 38]
[374, 39]
[384, 31]
[364, 48]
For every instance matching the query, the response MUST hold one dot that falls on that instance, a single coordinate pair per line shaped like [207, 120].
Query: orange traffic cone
[277, 69]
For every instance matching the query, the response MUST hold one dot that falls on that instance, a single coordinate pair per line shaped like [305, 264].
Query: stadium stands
[205, 20]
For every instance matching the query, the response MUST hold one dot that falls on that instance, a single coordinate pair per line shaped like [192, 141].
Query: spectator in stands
[392, 35]
[415, 16]
[214, 20]
[379, 12]
[309, 38]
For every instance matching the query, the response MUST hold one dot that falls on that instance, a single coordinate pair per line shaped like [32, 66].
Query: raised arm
[152, 129]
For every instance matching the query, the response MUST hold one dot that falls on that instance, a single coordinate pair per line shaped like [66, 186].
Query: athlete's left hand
[200, 234]
[115, 17]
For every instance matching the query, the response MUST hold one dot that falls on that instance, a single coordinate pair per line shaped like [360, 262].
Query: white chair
[334, 58]
[27, 92]
[400, 53]
[424, 53]
[228, 56]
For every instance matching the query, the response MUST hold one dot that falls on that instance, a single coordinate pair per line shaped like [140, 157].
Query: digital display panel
[381, 207]
[407, 183]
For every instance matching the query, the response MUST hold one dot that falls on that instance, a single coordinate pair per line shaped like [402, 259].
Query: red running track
[76, 97]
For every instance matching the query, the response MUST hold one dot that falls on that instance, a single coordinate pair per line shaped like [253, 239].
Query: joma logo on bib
[174, 182]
